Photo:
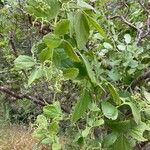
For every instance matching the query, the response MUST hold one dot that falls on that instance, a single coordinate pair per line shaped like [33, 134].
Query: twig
[140, 79]
[144, 8]
[8, 91]
[124, 20]
[12, 44]
[36, 100]
[128, 23]
[140, 31]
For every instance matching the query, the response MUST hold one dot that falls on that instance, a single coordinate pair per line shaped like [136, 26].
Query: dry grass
[16, 137]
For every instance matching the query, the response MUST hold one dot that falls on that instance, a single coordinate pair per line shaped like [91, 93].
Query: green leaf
[145, 59]
[86, 132]
[147, 96]
[122, 143]
[120, 126]
[70, 51]
[147, 113]
[89, 70]
[44, 10]
[56, 146]
[36, 74]
[109, 110]
[53, 111]
[129, 127]
[98, 123]
[52, 41]
[71, 25]
[81, 106]
[53, 128]
[46, 54]
[107, 45]
[84, 5]
[135, 111]
[121, 47]
[114, 94]
[94, 107]
[114, 75]
[109, 139]
[96, 26]
[70, 73]
[127, 38]
[24, 62]
[38, 47]
[46, 141]
[137, 132]
[62, 27]
[40, 133]
[42, 121]
[59, 56]
[81, 29]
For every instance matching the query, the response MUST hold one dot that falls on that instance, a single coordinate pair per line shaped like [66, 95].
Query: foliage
[104, 58]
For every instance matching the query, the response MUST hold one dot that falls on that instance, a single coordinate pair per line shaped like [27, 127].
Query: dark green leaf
[147, 113]
[135, 111]
[46, 54]
[96, 26]
[71, 25]
[81, 29]
[62, 27]
[122, 143]
[90, 72]
[114, 94]
[110, 139]
[81, 106]
[120, 126]
[59, 56]
[137, 131]
[70, 51]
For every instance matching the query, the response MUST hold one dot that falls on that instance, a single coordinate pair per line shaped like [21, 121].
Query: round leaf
[109, 110]
[127, 38]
